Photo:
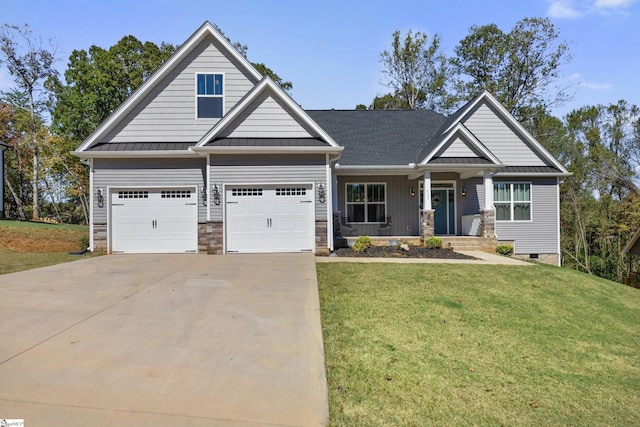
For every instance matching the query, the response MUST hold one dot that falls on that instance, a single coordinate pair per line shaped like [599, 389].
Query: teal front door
[443, 203]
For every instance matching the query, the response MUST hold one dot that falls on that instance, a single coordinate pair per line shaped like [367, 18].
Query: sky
[330, 49]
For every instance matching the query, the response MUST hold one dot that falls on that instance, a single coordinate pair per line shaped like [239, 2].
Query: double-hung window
[366, 202]
[209, 95]
[512, 201]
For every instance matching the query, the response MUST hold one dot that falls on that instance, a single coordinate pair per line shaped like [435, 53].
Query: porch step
[466, 243]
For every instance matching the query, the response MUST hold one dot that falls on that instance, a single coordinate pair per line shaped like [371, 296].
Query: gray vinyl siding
[168, 112]
[116, 173]
[457, 148]
[540, 236]
[269, 169]
[500, 138]
[267, 119]
[474, 200]
[401, 207]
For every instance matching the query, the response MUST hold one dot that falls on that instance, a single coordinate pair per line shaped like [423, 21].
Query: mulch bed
[393, 252]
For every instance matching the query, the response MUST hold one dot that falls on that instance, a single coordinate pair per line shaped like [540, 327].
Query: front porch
[456, 243]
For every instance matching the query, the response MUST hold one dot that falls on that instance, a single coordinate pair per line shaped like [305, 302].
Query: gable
[168, 112]
[500, 137]
[266, 117]
[457, 147]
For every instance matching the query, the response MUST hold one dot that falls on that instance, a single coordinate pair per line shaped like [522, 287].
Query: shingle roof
[529, 169]
[379, 137]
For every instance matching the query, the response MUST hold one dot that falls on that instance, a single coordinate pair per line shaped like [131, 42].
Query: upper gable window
[210, 95]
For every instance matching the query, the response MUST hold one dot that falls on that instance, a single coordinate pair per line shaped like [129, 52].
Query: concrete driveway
[148, 340]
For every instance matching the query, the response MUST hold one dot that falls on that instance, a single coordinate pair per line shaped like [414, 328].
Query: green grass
[436, 344]
[27, 245]
[12, 262]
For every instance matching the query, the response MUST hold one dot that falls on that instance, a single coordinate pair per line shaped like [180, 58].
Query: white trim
[485, 95]
[266, 84]
[112, 189]
[329, 201]
[365, 203]
[137, 153]
[208, 184]
[92, 198]
[265, 149]
[512, 202]
[558, 220]
[197, 95]
[205, 30]
[452, 185]
[487, 182]
[462, 129]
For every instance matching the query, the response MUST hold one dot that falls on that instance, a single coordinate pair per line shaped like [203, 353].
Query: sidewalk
[483, 258]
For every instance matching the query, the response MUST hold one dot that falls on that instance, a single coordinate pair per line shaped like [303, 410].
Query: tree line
[45, 116]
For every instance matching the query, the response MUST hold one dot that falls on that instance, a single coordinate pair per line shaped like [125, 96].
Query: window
[512, 201]
[209, 90]
[366, 203]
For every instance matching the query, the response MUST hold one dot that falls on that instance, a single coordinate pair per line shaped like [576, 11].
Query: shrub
[84, 242]
[504, 249]
[362, 244]
[433, 243]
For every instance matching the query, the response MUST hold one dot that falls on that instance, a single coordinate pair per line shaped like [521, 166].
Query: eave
[266, 150]
[129, 154]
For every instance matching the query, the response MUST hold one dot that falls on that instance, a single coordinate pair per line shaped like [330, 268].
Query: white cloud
[612, 4]
[563, 9]
[573, 9]
[595, 86]
[587, 84]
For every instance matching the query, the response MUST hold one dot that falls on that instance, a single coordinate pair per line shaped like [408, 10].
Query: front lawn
[27, 245]
[436, 344]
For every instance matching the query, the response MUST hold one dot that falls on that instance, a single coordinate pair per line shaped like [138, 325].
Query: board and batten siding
[539, 236]
[168, 112]
[499, 137]
[266, 118]
[269, 169]
[401, 207]
[138, 173]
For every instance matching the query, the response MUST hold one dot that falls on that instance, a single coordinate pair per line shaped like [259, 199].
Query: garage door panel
[269, 218]
[154, 221]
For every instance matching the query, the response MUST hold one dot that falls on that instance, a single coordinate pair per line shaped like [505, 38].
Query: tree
[520, 68]
[417, 71]
[31, 65]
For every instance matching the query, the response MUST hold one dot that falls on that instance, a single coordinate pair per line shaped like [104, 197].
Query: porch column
[488, 215]
[427, 213]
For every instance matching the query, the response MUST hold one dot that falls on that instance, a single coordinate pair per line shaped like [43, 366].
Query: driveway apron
[147, 340]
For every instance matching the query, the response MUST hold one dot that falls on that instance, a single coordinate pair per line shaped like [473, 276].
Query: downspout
[91, 194]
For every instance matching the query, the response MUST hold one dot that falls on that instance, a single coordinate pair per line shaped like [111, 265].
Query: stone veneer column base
[427, 224]
[210, 237]
[100, 237]
[488, 223]
[322, 247]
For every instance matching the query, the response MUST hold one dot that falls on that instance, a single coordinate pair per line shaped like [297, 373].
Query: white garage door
[154, 221]
[270, 218]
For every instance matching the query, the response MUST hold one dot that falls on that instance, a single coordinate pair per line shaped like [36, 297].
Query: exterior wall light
[463, 192]
[216, 194]
[100, 198]
[322, 196]
[412, 192]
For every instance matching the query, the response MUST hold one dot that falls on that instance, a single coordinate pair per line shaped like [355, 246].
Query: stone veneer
[488, 223]
[210, 237]
[427, 224]
[100, 237]
[321, 238]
